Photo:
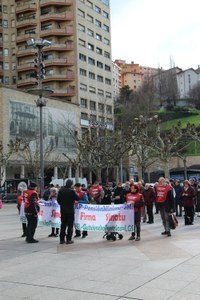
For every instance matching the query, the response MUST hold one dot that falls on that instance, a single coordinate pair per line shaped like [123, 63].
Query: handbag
[173, 222]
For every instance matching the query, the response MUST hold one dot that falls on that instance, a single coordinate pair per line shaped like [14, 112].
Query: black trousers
[189, 215]
[150, 212]
[67, 221]
[137, 217]
[32, 221]
[24, 228]
[78, 232]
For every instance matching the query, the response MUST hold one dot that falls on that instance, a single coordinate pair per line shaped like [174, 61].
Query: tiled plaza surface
[155, 268]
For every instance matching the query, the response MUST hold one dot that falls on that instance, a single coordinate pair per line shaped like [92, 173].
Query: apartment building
[78, 62]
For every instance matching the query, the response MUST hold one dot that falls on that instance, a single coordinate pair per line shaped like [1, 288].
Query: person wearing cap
[67, 198]
[187, 200]
[83, 198]
[32, 208]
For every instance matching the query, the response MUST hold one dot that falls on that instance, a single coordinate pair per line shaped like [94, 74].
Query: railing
[64, 2]
[25, 7]
[57, 16]
[53, 30]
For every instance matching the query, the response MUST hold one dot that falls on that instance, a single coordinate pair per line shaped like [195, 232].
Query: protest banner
[107, 218]
[49, 214]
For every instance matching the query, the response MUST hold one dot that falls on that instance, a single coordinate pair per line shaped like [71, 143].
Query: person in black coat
[66, 198]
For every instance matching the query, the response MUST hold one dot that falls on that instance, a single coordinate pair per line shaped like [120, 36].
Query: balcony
[69, 46]
[68, 92]
[56, 76]
[57, 16]
[44, 3]
[69, 61]
[26, 81]
[26, 8]
[26, 22]
[23, 37]
[25, 67]
[26, 52]
[53, 31]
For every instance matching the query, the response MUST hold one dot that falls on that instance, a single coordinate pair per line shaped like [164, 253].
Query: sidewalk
[155, 268]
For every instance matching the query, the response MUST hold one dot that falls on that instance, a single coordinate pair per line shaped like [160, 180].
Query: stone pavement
[155, 268]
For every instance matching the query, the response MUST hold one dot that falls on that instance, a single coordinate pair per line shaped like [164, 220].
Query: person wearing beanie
[67, 198]
[138, 200]
[32, 208]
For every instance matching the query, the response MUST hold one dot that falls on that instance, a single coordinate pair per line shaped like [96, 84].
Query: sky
[156, 33]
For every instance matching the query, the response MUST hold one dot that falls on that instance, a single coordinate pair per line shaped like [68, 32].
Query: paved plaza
[155, 268]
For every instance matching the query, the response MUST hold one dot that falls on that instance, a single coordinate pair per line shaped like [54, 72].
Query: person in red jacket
[83, 198]
[20, 206]
[96, 193]
[187, 201]
[165, 202]
[32, 208]
[138, 200]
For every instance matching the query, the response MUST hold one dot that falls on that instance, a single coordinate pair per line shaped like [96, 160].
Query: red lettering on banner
[55, 214]
[117, 217]
[87, 217]
[40, 213]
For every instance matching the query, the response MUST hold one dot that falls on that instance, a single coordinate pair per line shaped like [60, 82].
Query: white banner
[105, 218]
[49, 214]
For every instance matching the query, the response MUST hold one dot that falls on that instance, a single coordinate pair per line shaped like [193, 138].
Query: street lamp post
[40, 102]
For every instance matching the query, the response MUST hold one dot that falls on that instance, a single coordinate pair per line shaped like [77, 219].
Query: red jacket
[138, 200]
[161, 193]
[31, 198]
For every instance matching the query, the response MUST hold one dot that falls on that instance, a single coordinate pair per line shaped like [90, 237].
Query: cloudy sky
[155, 32]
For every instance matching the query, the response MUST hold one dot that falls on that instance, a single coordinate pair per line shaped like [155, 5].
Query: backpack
[173, 222]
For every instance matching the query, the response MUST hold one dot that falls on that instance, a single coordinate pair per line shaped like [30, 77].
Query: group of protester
[167, 197]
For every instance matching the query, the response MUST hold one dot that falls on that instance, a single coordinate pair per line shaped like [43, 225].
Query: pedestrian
[149, 199]
[32, 208]
[66, 198]
[107, 195]
[96, 193]
[178, 189]
[198, 199]
[20, 207]
[138, 200]
[53, 198]
[118, 193]
[187, 200]
[165, 201]
[83, 198]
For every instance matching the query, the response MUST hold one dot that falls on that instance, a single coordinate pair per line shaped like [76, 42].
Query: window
[100, 107]
[5, 9]
[81, 42]
[92, 105]
[13, 37]
[83, 103]
[6, 80]
[106, 28]
[5, 37]
[100, 92]
[109, 121]
[107, 68]
[93, 117]
[82, 57]
[90, 19]
[90, 47]
[82, 72]
[106, 54]
[98, 23]
[106, 41]
[6, 52]
[13, 66]
[12, 9]
[6, 66]
[98, 37]
[91, 75]
[106, 2]
[81, 28]
[92, 89]
[83, 87]
[84, 116]
[91, 61]
[97, 9]
[90, 32]
[99, 64]
[5, 23]
[14, 80]
[108, 81]
[98, 50]
[108, 95]
[81, 13]
[13, 23]
[105, 14]
[109, 109]
[102, 120]
[99, 78]
[90, 4]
